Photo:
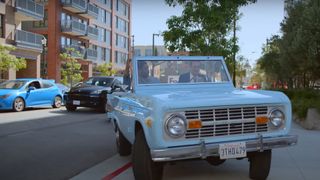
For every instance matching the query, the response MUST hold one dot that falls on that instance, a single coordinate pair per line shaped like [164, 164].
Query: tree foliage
[105, 69]
[71, 68]
[8, 61]
[204, 27]
[294, 58]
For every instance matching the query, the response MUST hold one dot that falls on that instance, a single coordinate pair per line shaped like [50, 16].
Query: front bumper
[203, 150]
[86, 100]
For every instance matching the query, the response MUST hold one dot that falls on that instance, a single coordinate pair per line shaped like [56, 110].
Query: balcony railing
[73, 27]
[76, 6]
[33, 10]
[93, 11]
[93, 33]
[78, 52]
[92, 54]
[28, 40]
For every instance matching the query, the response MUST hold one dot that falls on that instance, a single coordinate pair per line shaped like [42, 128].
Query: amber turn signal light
[194, 124]
[262, 120]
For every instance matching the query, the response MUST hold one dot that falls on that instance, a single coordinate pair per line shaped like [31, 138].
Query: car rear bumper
[204, 150]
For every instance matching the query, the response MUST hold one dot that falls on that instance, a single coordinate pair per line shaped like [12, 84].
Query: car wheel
[123, 145]
[57, 102]
[71, 108]
[260, 164]
[103, 108]
[143, 166]
[18, 104]
[216, 161]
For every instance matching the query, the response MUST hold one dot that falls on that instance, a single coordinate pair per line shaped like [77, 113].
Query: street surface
[52, 143]
[55, 144]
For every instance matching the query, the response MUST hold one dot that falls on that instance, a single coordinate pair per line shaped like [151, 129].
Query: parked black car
[90, 93]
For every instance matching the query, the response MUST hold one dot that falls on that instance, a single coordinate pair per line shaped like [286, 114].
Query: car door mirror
[116, 84]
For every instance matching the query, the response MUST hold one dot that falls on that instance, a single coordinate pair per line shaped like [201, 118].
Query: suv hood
[190, 99]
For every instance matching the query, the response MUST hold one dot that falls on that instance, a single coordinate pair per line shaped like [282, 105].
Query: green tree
[8, 61]
[71, 68]
[204, 27]
[105, 69]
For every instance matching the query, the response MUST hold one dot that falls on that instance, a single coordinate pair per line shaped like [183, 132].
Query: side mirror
[116, 84]
[31, 88]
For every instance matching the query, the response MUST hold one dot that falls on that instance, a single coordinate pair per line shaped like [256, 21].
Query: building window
[103, 54]
[102, 15]
[106, 2]
[122, 8]
[121, 41]
[108, 20]
[108, 55]
[42, 24]
[121, 58]
[137, 52]
[122, 25]
[103, 35]
[108, 38]
[148, 52]
[2, 26]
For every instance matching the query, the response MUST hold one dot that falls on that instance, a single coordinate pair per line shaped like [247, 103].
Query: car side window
[35, 84]
[46, 85]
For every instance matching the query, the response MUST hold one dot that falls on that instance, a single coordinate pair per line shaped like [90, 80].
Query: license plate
[232, 150]
[76, 102]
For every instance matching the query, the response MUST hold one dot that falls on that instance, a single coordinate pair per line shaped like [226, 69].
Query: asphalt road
[52, 143]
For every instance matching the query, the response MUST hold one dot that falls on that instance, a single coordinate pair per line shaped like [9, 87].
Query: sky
[258, 22]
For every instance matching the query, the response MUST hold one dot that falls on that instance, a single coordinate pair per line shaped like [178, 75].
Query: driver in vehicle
[194, 75]
[144, 77]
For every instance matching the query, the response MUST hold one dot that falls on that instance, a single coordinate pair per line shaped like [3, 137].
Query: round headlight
[176, 125]
[276, 117]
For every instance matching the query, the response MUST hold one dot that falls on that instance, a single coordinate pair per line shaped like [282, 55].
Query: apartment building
[147, 50]
[28, 44]
[98, 29]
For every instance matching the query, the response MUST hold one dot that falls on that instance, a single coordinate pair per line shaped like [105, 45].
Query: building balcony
[76, 6]
[79, 51]
[28, 41]
[92, 33]
[73, 27]
[92, 54]
[28, 10]
[92, 12]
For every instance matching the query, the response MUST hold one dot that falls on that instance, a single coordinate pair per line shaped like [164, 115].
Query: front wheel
[123, 145]
[57, 102]
[260, 164]
[18, 104]
[143, 166]
[71, 108]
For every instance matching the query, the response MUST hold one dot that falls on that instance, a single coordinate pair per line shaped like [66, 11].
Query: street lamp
[153, 43]
[43, 61]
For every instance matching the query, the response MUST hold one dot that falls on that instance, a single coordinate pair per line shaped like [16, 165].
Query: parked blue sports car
[21, 93]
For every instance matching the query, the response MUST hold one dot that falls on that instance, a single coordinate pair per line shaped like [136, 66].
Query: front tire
[18, 104]
[143, 166]
[57, 102]
[123, 145]
[71, 108]
[260, 165]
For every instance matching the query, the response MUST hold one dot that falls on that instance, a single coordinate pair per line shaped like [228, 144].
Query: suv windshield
[99, 81]
[14, 84]
[168, 72]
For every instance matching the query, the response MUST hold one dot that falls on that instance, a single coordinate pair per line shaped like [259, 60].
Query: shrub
[302, 100]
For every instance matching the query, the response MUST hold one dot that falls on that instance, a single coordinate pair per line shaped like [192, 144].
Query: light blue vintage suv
[187, 107]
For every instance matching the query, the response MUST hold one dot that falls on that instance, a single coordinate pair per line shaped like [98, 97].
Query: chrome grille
[226, 121]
